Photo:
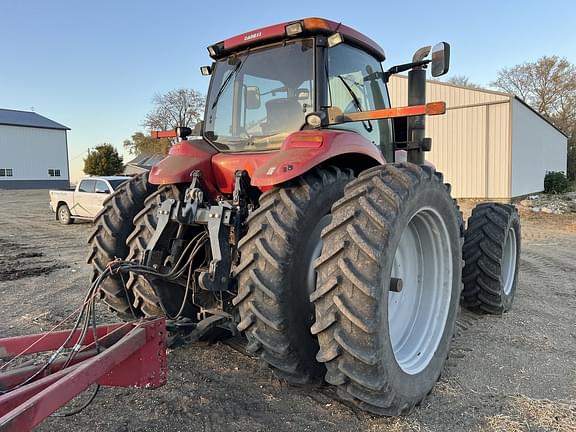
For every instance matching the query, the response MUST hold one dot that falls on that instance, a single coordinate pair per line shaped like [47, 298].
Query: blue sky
[95, 66]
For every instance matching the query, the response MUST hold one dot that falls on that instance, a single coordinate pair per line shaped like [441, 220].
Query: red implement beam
[138, 359]
[163, 134]
[432, 108]
[22, 345]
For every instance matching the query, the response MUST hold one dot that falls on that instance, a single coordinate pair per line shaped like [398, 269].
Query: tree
[145, 144]
[179, 107]
[463, 81]
[103, 161]
[549, 86]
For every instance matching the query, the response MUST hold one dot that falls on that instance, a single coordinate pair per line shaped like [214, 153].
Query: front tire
[492, 255]
[276, 273]
[395, 229]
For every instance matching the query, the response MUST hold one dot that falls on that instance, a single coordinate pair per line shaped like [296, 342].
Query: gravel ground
[510, 373]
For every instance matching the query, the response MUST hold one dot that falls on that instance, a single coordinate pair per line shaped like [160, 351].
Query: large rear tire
[276, 273]
[112, 226]
[395, 229]
[146, 290]
[492, 255]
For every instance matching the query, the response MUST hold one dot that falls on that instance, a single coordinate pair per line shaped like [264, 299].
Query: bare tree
[462, 80]
[179, 107]
[549, 86]
[145, 144]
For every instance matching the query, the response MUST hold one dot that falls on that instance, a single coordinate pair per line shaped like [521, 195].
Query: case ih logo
[252, 36]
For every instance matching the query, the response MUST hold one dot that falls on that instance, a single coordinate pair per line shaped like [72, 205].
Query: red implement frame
[131, 355]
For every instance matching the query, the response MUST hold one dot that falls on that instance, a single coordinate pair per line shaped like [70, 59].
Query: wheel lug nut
[396, 284]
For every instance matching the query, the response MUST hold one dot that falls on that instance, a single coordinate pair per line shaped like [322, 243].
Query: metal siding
[537, 147]
[498, 145]
[470, 145]
[30, 152]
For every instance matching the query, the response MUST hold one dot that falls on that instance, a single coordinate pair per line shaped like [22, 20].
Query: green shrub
[556, 182]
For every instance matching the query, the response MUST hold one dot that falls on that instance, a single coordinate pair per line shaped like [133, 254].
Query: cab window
[101, 187]
[86, 186]
[353, 86]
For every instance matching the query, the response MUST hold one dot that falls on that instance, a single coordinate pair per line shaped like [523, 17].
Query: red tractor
[292, 220]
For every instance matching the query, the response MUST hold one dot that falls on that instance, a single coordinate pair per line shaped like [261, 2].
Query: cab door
[101, 191]
[83, 197]
[354, 83]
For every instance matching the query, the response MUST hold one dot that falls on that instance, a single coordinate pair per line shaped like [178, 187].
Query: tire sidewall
[299, 309]
[432, 194]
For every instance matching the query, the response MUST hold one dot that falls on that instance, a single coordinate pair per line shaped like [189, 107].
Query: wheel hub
[315, 246]
[509, 261]
[417, 314]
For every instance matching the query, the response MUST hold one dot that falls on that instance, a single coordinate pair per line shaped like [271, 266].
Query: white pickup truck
[86, 200]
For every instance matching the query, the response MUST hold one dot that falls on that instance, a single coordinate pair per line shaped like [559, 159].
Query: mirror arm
[404, 67]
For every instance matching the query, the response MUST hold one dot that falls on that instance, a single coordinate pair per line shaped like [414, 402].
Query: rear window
[116, 183]
[86, 186]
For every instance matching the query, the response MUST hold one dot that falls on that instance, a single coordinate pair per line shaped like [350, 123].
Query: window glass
[354, 86]
[86, 186]
[116, 183]
[9, 172]
[51, 172]
[260, 96]
[101, 187]
[2, 172]
[57, 173]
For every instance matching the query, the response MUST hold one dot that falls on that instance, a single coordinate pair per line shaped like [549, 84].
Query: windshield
[257, 98]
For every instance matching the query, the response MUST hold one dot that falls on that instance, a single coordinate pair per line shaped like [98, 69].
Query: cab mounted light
[212, 51]
[206, 70]
[293, 29]
[315, 119]
[335, 39]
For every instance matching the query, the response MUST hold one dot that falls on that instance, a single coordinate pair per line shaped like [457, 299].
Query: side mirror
[440, 59]
[198, 128]
[302, 94]
[252, 97]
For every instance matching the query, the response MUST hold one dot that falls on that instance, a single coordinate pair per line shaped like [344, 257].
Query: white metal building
[488, 144]
[33, 151]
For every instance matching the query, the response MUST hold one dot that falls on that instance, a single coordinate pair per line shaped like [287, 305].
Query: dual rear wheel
[357, 281]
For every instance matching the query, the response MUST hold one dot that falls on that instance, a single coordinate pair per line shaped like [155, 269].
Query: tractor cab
[265, 84]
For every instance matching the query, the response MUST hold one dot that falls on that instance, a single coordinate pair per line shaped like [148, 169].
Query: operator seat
[283, 115]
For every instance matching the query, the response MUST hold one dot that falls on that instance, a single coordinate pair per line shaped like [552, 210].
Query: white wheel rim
[509, 261]
[315, 241]
[417, 314]
[63, 215]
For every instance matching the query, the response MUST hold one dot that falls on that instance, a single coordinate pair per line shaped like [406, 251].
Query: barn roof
[28, 119]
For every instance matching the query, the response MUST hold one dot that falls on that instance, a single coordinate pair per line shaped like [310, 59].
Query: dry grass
[549, 415]
[503, 423]
[398, 424]
[535, 414]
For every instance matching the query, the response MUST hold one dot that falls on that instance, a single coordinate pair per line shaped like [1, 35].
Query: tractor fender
[304, 150]
[182, 159]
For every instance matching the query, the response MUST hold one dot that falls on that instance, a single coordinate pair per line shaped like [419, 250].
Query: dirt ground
[510, 373]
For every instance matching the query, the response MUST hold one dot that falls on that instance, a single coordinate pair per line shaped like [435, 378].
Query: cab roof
[309, 27]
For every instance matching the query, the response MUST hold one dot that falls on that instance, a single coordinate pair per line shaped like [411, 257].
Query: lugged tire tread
[482, 252]
[145, 298]
[344, 325]
[112, 226]
[264, 298]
